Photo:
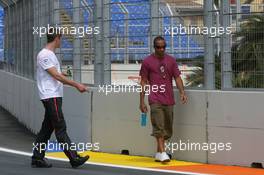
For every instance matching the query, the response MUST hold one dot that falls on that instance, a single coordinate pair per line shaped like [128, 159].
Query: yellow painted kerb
[125, 160]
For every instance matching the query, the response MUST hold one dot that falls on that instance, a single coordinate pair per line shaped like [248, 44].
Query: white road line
[101, 164]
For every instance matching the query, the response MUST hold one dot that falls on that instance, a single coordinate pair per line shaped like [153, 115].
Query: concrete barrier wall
[237, 117]
[190, 126]
[114, 120]
[20, 97]
[116, 125]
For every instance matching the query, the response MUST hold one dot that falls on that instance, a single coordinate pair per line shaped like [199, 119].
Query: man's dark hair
[52, 34]
[158, 38]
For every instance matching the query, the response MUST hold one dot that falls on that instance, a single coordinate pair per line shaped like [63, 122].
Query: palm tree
[216, 2]
[247, 57]
[248, 53]
[196, 79]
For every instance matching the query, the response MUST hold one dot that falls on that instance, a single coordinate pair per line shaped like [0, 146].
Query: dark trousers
[53, 120]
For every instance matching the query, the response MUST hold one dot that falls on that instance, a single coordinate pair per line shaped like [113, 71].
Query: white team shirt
[48, 87]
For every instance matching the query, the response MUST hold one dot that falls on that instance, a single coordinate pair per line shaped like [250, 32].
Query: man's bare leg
[160, 144]
[161, 155]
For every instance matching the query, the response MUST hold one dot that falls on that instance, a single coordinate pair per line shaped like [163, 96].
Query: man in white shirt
[50, 82]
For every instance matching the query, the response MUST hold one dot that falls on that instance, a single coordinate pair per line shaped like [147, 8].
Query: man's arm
[142, 105]
[180, 86]
[60, 77]
[64, 74]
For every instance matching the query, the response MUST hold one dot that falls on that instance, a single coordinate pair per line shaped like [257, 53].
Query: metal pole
[126, 59]
[209, 62]
[154, 11]
[217, 26]
[22, 37]
[106, 48]
[238, 16]
[36, 45]
[31, 39]
[226, 66]
[117, 44]
[77, 42]
[172, 37]
[98, 67]
[17, 62]
[10, 38]
[6, 39]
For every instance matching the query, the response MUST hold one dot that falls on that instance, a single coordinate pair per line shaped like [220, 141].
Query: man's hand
[180, 86]
[81, 87]
[183, 98]
[143, 108]
[64, 74]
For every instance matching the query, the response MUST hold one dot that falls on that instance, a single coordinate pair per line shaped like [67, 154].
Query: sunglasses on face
[160, 47]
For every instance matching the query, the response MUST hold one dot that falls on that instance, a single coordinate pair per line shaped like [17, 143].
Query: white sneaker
[164, 157]
[157, 157]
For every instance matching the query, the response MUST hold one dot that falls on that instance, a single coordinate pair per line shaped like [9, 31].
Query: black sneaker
[78, 161]
[40, 163]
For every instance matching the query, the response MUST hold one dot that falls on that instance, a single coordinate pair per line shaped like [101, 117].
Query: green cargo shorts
[161, 120]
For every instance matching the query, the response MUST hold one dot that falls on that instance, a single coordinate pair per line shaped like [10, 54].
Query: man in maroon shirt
[159, 69]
